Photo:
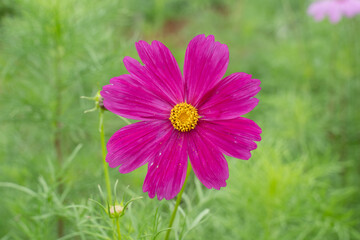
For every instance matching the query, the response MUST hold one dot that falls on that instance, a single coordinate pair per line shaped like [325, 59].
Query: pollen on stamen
[184, 117]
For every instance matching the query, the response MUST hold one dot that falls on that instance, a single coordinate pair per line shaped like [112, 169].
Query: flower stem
[118, 228]
[178, 200]
[58, 85]
[103, 148]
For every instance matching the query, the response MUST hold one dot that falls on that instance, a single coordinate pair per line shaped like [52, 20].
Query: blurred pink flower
[195, 116]
[334, 9]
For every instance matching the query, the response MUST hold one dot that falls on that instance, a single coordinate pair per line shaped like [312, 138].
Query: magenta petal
[145, 78]
[334, 13]
[208, 163]
[334, 9]
[317, 10]
[162, 68]
[230, 98]
[167, 172]
[353, 8]
[136, 144]
[234, 137]
[205, 64]
[127, 97]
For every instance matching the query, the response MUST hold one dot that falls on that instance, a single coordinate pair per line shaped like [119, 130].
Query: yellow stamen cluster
[184, 117]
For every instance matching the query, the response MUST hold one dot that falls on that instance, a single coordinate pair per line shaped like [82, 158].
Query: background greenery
[301, 183]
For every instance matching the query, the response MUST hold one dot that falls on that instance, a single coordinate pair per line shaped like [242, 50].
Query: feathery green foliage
[301, 183]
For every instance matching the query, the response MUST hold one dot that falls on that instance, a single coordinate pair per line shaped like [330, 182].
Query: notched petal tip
[141, 44]
[129, 62]
[198, 37]
[205, 64]
[234, 137]
[230, 98]
[256, 100]
[203, 38]
[160, 69]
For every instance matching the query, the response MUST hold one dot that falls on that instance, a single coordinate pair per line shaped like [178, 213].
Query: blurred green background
[301, 183]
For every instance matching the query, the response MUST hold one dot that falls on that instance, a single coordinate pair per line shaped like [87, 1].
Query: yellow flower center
[184, 117]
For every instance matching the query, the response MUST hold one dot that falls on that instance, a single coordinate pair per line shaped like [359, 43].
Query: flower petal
[234, 137]
[230, 98]
[335, 14]
[162, 68]
[317, 10]
[167, 172]
[352, 9]
[128, 97]
[136, 144]
[143, 75]
[206, 62]
[208, 163]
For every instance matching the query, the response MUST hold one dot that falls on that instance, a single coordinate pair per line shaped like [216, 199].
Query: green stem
[58, 81]
[118, 228]
[178, 200]
[103, 148]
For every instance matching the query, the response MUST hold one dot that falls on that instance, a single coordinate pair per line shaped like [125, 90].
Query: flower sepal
[115, 209]
[119, 209]
[99, 102]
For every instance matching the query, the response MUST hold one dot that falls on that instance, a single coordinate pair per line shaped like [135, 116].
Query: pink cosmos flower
[334, 9]
[195, 115]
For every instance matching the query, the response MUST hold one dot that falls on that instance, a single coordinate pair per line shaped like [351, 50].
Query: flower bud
[99, 102]
[116, 211]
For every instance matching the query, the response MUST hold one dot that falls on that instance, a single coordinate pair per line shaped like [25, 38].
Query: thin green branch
[118, 228]
[178, 201]
[103, 148]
